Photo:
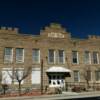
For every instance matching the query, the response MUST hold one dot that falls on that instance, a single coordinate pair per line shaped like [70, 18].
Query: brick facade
[51, 37]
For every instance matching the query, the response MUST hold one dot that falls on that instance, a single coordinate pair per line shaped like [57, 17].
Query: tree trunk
[4, 91]
[88, 84]
[19, 88]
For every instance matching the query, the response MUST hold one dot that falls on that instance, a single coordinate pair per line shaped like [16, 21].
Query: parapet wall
[8, 30]
[93, 37]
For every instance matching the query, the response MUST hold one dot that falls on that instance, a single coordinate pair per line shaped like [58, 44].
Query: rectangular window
[75, 57]
[36, 76]
[6, 79]
[97, 75]
[95, 58]
[36, 56]
[51, 56]
[8, 55]
[19, 55]
[76, 76]
[61, 57]
[87, 58]
[89, 75]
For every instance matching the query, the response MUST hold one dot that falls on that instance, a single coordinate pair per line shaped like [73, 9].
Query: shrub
[78, 89]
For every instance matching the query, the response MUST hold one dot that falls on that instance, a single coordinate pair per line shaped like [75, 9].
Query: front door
[56, 80]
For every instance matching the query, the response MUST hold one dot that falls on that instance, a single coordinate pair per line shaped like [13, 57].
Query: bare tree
[3, 83]
[86, 74]
[19, 75]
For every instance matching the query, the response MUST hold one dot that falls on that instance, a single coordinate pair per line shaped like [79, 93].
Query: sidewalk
[65, 95]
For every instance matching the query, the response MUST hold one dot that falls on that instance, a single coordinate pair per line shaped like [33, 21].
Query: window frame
[36, 56]
[97, 58]
[61, 58]
[89, 57]
[78, 76]
[49, 57]
[75, 58]
[22, 60]
[11, 56]
[33, 74]
[4, 70]
[97, 73]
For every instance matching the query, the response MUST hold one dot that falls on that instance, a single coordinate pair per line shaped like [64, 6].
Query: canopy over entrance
[58, 69]
[56, 75]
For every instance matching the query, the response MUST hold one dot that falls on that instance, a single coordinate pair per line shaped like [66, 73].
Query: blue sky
[80, 17]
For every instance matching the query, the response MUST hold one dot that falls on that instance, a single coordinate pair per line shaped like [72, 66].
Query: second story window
[8, 55]
[87, 57]
[61, 57]
[75, 57]
[36, 56]
[95, 58]
[19, 55]
[51, 56]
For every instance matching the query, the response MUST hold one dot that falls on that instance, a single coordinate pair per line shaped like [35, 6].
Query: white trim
[89, 58]
[77, 57]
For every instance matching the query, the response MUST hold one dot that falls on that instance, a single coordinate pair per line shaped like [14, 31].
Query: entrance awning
[58, 69]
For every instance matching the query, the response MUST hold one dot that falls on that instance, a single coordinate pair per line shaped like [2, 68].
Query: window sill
[36, 63]
[75, 64]
[8, 62]
[19, 62]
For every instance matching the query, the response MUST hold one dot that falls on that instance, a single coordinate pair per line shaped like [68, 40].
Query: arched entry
[56, 76]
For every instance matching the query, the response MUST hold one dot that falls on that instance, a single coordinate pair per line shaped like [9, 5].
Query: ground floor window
[10, 76]
[76, 76]
[18, 72]
[97, 75]
[36, 76]
[6, 79]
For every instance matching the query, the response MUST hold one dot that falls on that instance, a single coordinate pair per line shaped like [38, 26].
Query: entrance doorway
[56, 80]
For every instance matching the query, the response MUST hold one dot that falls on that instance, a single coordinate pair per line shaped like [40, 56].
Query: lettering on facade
[55, 35]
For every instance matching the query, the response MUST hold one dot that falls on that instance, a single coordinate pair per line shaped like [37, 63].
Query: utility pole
[41, 76]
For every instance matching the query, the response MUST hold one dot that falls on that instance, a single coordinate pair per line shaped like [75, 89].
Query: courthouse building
[55, 57]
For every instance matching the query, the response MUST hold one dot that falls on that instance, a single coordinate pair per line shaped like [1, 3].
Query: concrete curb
[67, 95]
